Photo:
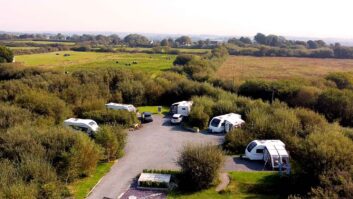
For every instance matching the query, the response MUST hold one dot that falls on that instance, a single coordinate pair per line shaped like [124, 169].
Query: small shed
[154, 181]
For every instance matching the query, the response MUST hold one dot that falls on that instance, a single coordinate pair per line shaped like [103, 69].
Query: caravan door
[228, 127]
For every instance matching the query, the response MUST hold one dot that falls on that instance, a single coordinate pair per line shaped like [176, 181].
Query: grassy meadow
[91, 60]
[242, 185]
[39, 42]
[241, 68]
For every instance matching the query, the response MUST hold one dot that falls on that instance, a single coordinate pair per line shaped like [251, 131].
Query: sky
[302, 18]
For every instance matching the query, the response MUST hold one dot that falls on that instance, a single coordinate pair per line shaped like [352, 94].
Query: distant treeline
[260, 45]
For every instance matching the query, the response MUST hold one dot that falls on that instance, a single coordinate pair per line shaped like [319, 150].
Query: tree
[312, 44]
[6, 55]
[167, 42]
[183, 40]
[245, 40]
[260, 38]
[135, 40]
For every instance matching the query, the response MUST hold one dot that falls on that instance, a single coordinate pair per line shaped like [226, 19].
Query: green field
[243, 185]
[153, 109]
[23, 48]
[80, 188]
[39, 42]
[182, 50]
[91, 60]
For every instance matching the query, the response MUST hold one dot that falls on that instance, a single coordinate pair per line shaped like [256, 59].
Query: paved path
[155, 146]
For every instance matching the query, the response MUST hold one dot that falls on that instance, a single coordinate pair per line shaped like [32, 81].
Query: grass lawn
[153, 109]
[80, 188]
[92, 60]
[241, 68]
[243, 185]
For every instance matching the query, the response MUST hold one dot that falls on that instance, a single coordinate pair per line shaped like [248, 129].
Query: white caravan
[87, 125]
[225, 123]
[183, 108]
[273, 152]
[116, 106]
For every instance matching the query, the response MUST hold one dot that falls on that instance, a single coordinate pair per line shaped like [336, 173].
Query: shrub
[44, 104]
[200, 165]
[337, 105]
[153, 184]
[182, 60]
[11, 115]
[6, 55]
[325, 152]
[306, 97]
[237, 140]
[342, 80]
[198, 118]
[113, 117]
[112, 140]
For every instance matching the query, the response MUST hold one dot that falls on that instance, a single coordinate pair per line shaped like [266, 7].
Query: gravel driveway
[155, 146]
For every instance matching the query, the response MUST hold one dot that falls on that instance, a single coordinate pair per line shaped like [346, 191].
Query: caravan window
[92, 123]
[184, 109]
[260, 151]
[215, 122]
[224, 123]
[251, 146]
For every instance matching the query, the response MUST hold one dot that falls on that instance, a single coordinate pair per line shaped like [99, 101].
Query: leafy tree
[183, 40]
[312, 44]
[260, 38]
[135, 40]
[245, 40]
[6, 55]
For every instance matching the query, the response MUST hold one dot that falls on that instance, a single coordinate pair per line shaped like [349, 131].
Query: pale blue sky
[312, 18]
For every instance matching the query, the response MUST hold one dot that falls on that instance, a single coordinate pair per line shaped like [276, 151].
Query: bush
[237, 140]
[113, 117]
[200, 165]
[6, 55]
[153, 184]
[44, 104]
[112, 140]
[11, 115]
[198, 118]
[342, 80]
[182, 60]
[337, 105]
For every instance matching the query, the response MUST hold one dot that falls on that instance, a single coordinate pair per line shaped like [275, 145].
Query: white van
[87, 125]
[183, 108]
[273, 152]
[116, 106]
[225, 123]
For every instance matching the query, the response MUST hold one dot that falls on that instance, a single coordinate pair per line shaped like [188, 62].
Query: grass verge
[80, 188]
[243, 185]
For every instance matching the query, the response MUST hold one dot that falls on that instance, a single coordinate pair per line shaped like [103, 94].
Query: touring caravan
[87, 125]
[225, 123]
[116, 106]
[183, 108]
[273, 152]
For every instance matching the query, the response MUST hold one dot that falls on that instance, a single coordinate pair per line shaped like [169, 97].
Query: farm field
[39, 42]
[241, 68]
[91, 60]
[23, 48]
[242, 185]
[182, 50]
